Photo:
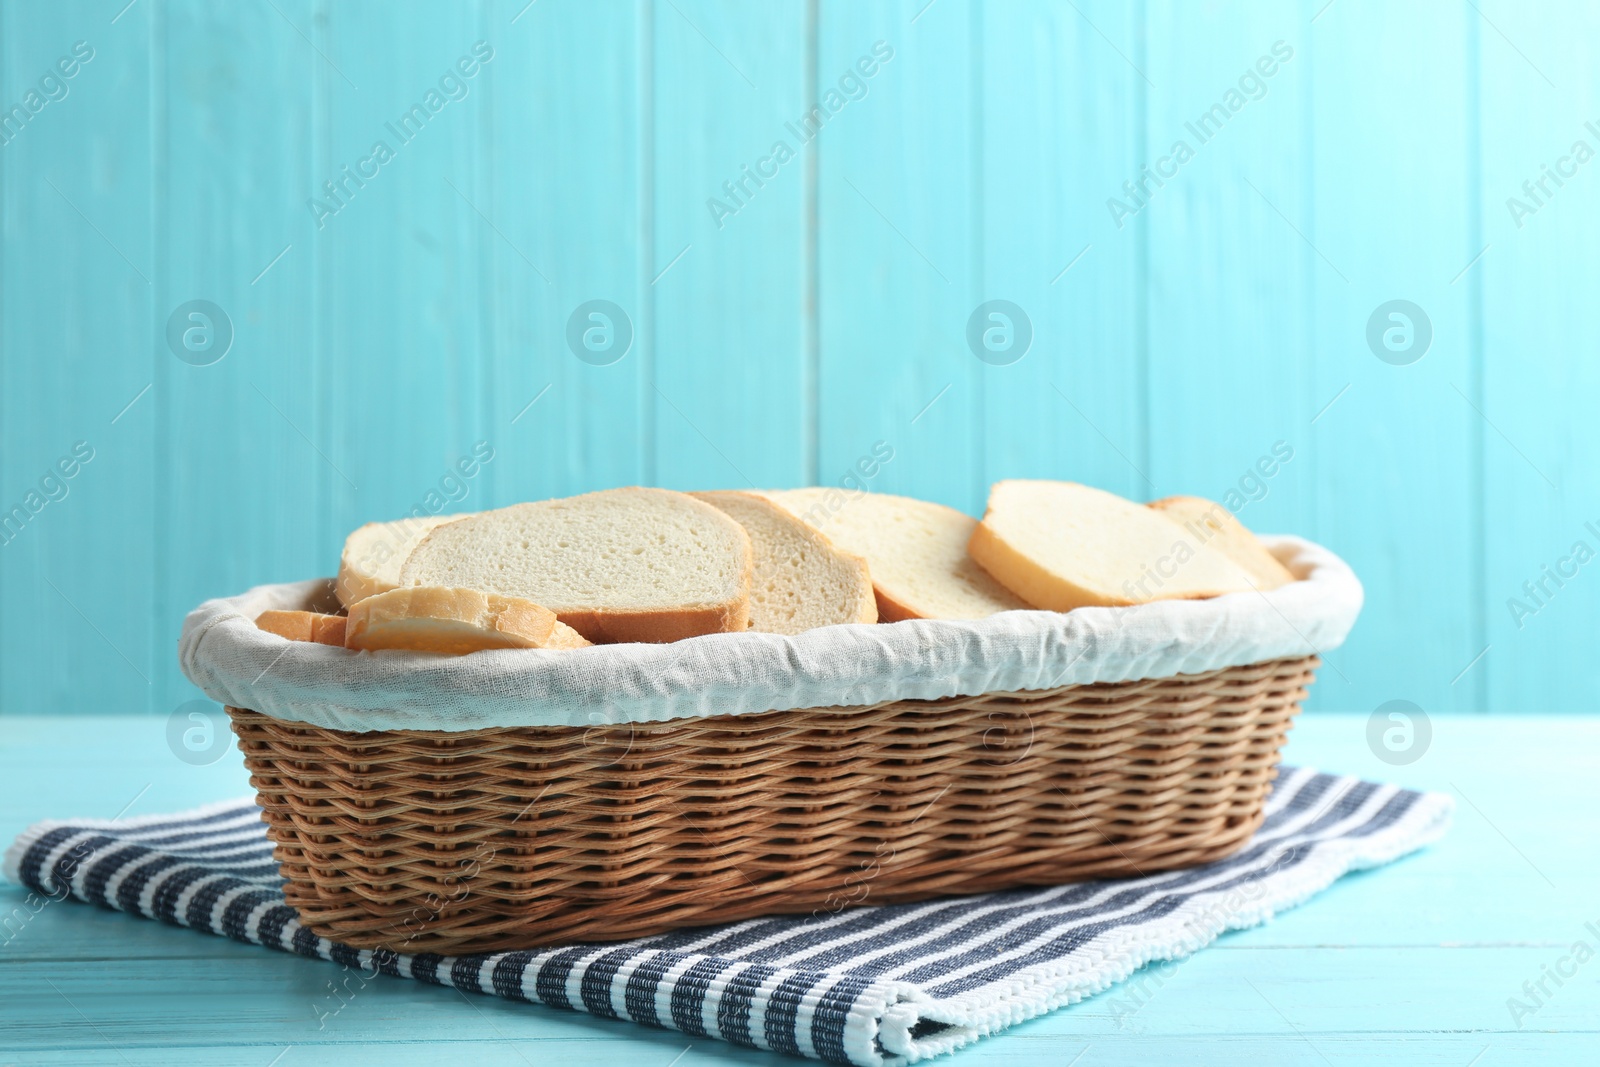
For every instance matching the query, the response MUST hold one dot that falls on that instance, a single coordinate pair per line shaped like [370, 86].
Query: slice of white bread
[618, 565]
[916, 552]
[801, 580]
[451, 621]
[304, 626]
[1207, 520]
[1060, 545]
[373, 555]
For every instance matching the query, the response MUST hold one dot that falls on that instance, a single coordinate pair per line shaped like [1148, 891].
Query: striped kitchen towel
[871, 985]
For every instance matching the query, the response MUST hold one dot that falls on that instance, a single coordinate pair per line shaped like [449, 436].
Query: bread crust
[328, 629]
[446, 620]
[1176, 500]
[1027, 579]
[660, 627]
[353, 583]
[871, 609]
[304, 626]
[892, 610]
[565, 637]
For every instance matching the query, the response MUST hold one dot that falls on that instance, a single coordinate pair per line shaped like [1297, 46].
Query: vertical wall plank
[1227, 270]
[897, 251]
[401, 279]
[1390, 208]
[726, 282]
[1061, 115]
[8, 179]
[76, 264]
[243, 488]
[561, 187]
[1224, 207]
[1538, 280]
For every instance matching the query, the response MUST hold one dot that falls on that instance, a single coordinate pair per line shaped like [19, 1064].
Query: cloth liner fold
[223, 652]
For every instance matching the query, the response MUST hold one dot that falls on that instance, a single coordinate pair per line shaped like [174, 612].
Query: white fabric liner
[226, 655]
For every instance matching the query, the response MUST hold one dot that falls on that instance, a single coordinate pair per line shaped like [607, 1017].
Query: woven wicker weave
[528, 837]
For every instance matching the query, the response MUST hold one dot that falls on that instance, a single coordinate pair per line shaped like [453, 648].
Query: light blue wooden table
[1412, 964]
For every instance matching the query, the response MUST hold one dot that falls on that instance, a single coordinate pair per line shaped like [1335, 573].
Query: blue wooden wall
[1364, 151]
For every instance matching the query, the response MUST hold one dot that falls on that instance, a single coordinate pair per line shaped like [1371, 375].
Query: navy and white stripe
[870, 985]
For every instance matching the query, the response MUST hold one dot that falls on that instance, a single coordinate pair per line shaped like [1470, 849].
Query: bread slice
[1060, 545]
[328, 629]
[916, 552]
[452, 621]
[564, 636]
[800, 580]
[1208, 521]
[304, 626]
[373, 555]
[617, 565]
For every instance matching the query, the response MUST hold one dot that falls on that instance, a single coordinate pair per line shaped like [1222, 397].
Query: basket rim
[235, 663]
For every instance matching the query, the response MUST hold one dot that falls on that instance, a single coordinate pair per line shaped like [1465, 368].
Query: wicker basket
[529, 837]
